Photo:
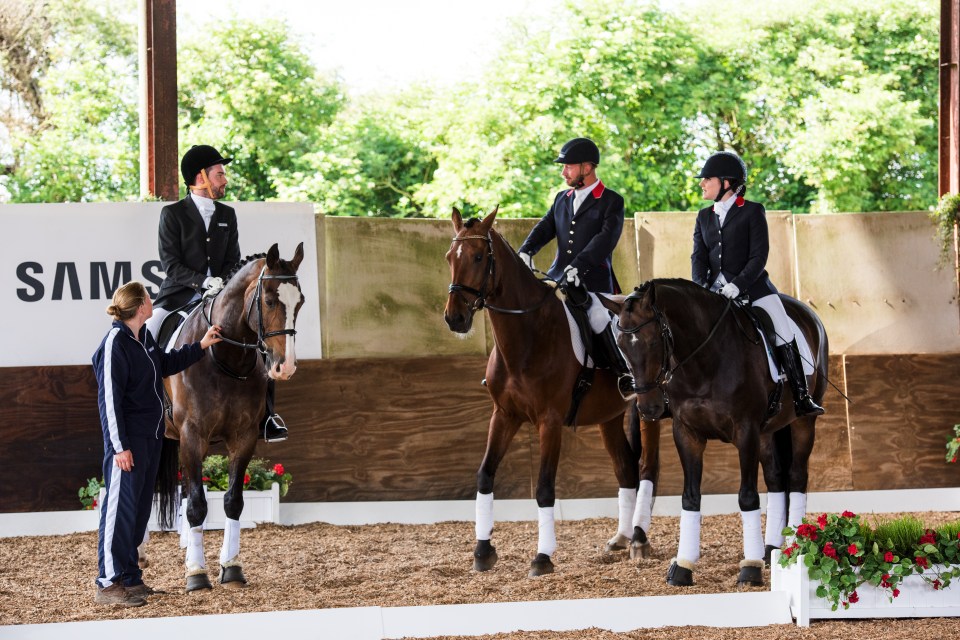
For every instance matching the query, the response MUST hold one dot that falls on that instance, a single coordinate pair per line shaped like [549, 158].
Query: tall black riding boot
[274, 430]
[790, 360]
[625, 382]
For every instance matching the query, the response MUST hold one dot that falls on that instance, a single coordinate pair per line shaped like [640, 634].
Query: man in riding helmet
[200, 247]
[736, 266]
[586, 221]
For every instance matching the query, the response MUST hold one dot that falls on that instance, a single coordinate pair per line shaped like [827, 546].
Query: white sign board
[61, 264]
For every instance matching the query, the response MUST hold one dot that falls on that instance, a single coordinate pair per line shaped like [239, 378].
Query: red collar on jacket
[597, 190]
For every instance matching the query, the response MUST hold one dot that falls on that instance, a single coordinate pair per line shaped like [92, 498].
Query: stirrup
[274, 429]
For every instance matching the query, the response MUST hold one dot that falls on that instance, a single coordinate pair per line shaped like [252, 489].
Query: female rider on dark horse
[736, 267]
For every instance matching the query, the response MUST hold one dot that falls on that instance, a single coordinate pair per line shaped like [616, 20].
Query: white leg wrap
[776, 518]
[644, 511]
[231, 541]
[752, 538]
[484, 516]
[547, 540]
[798, 509]
[689, 547]
[195, 559]
[627, 502]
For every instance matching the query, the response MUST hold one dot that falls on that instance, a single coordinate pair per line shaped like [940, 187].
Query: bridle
[481, 294]
[665, 375]
[260, 344]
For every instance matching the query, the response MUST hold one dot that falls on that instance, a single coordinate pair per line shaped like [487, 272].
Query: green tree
[250, 90]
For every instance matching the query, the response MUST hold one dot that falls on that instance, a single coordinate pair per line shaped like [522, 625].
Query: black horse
[698, 354]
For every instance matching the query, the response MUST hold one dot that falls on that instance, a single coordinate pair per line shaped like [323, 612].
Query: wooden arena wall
[395, 410]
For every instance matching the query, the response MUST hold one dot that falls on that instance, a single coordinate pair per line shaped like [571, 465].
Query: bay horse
[223, 397]
[698, 353]
[530, 376]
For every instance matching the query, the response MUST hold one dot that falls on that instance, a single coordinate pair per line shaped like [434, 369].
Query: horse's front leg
[626, 469]
[690, 447]
[751, 567]
[551, 435]
[231, 569]
[502, 429]
[649, 454]
[191, 458]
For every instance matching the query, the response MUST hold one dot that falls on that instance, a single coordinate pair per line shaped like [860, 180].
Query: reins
[480, 294]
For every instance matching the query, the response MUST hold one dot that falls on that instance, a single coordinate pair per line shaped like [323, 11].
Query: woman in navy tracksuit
[129, 367]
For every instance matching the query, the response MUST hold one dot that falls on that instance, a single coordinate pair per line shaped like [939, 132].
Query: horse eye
[478, 257]
[271, 303]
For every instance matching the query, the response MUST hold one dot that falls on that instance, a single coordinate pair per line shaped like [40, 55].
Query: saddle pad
[806, 356]
[176, 332]
[576, 341]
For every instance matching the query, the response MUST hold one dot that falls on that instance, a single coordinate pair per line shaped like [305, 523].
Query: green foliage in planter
[260, 475]
[946, 216]
[88, 493]
[953, 444]
[898, 535]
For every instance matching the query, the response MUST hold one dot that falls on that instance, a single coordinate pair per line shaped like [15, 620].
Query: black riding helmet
[726, 166]
[199, 157]
[579, 150]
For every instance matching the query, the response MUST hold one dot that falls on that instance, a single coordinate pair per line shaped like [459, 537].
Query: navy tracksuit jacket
[129, 391]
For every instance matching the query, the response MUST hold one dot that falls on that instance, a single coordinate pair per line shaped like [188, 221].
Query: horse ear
[612, 302]
[273, 256]
[297, 257]
[457, 220]
[488, 221]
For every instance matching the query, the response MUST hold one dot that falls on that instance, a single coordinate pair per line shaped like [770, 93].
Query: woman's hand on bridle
[212, 336]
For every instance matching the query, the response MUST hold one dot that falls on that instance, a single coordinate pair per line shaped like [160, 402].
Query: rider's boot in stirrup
[625, 382]
[802, 402]
[273, 428]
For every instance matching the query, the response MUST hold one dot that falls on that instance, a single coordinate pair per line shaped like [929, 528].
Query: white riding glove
[527, 260]
[212, 286]
[730, 290]
[570, 275]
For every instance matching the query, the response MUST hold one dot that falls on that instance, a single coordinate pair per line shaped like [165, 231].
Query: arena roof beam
[159, 176]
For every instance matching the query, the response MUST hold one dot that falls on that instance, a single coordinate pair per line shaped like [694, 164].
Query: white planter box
[917, 598]
[258, 506]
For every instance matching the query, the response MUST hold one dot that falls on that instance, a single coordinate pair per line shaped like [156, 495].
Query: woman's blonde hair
[126, 300]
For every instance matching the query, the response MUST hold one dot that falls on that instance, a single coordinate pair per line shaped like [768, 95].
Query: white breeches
[778, 315]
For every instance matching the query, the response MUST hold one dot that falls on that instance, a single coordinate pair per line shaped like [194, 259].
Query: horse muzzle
[459, 322]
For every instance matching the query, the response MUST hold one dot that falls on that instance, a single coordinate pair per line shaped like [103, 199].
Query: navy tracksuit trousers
[125, 511]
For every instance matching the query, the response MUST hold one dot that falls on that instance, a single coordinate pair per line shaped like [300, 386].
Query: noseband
[262, 335]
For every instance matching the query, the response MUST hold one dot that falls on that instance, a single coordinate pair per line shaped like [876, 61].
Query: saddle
[170, 324]
[763, 325]
[578, 301]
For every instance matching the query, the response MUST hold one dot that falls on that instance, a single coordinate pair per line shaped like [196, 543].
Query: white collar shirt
[581, 194]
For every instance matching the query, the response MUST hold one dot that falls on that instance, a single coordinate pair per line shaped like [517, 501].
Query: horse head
[646, 342]
[273, 299]
[471, 270]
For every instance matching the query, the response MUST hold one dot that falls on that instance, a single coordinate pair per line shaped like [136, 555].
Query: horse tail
[167, 483]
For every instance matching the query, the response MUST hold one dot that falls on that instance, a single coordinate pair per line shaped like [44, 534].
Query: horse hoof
[678, 576]
[750, 576]
[540, 566]
[198, 581]
[232, 577]
[767, 551]
[640, 546]
[484, 556]
[618, 542]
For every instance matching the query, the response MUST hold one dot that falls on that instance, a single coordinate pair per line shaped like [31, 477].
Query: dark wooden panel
[903, 408]
[52, 441]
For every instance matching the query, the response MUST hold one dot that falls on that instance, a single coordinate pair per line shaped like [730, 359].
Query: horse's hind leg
[191, 457]
[691, 448]
[802, 433]
[550, 439]
[501, 432]
[624, 457]
[751, 567]
[776, 453]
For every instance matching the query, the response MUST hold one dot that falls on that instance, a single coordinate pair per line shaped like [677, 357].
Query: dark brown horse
[530, 376]
[698, 353]
[222, 397]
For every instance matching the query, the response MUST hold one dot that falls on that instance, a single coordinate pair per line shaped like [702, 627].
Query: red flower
[896, 592]
[829, 551]
[888, 557]
[822, 521]
[739, 201]
[94, 505]
[807, 531]
[852, 549]
[246, 478]
[854, 597]
[885, 580]
[278, 469]
[849, 514]
[179, 476]
[205, 479]
[789, 550]
[921, 562]
[936, 584]
[930, 537]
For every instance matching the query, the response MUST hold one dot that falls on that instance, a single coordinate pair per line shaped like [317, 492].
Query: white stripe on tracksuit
[108, 399]
[109, 524]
